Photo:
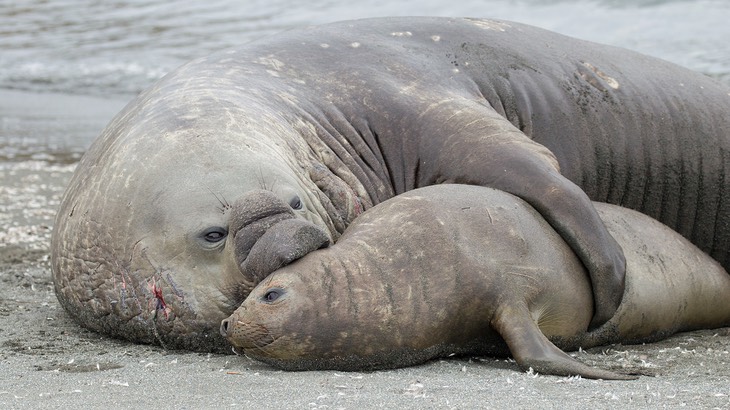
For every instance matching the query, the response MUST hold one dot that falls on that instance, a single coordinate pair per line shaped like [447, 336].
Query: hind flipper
[531, 349]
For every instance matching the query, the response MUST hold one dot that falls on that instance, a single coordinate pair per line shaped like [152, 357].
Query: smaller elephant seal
[455, 269]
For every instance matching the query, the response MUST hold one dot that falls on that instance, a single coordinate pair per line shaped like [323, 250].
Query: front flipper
[472, 144]
[531, 349]
[570, 212]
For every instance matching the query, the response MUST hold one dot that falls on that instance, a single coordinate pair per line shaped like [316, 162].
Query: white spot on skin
[289, 98]
[455, 70]
[436, 38]
[489, 24]
[355, 45]
[401, 34]
[610, 81]
[324, 45]
[270, 62]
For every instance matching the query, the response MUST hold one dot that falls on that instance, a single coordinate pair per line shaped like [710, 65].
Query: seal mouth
[246, 336]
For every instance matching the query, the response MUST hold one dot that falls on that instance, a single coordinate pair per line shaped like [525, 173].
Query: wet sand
[48, 361]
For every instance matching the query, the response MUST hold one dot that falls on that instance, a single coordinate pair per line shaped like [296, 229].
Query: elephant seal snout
[281, 244]
[253, 214]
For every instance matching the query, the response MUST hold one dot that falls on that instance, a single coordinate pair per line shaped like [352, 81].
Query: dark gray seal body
[153, 234]
[455, 269]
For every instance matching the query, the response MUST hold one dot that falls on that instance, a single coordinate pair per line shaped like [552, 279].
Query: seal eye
[272, 295]
[215, 234]
[295, 203]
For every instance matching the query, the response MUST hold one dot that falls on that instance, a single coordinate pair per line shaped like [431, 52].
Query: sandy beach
[48, 361]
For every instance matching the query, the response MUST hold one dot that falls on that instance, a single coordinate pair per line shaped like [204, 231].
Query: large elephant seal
[462, 269]
[336, 118]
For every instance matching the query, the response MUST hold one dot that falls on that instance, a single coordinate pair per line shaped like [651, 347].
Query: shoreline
[52, 127]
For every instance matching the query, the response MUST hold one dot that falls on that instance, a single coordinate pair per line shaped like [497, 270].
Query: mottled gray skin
[337, 118]
[456, 269]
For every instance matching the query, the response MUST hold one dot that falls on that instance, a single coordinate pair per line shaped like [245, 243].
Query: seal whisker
[262, 181]
[224, 204]
[258, 335]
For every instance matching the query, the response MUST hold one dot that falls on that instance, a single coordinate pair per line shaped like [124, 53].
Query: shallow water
[66, 66]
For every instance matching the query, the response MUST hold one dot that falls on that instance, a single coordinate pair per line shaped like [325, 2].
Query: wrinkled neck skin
[142, 249]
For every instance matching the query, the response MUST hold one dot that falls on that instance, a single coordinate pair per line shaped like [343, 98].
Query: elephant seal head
[153, 235]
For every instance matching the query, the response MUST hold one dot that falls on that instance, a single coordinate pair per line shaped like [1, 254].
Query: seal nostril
[224, 327]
